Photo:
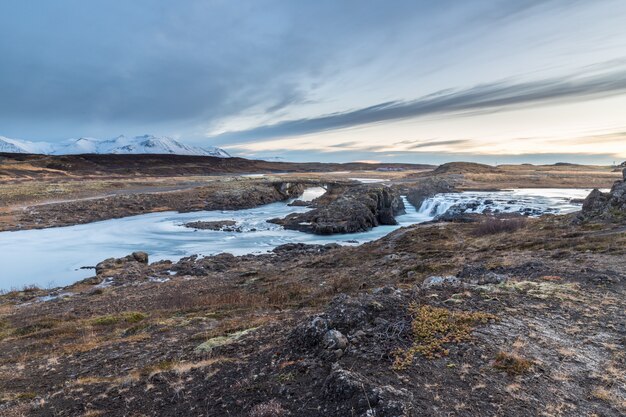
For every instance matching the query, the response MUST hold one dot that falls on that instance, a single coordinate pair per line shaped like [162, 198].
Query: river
[54, 257]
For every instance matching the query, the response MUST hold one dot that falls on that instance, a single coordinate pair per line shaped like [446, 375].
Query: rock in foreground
[609, 206]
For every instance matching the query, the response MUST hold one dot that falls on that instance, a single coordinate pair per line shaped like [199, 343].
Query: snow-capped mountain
[23, 146]
[146, 144]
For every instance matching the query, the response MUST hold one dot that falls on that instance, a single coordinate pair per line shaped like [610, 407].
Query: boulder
[128, 264]
[608, 207]
[141, 257]
[354, 392]
[334, 339]
[310, 333]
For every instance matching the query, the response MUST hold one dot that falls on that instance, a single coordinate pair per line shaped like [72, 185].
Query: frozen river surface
[54, 257]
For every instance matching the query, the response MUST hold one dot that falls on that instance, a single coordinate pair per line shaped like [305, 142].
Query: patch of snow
[51, 297]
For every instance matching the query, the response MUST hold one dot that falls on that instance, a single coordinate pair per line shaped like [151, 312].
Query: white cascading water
[435, 206]
[529, 201]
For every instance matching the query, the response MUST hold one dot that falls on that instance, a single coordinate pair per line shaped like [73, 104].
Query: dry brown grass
[512, 363]
[19, 410]
[271, 408]
[493, 225]
[221, 299]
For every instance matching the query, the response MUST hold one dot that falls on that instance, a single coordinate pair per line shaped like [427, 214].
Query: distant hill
[145, 144]
[465, 168]
[34, 166]
[566, 164]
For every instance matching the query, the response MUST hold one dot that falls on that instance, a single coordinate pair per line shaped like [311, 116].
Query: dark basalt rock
[304, 249]
[133, 263]
[357, 210]
[610, 207]
[427, 189]
[299, 203]
[218, 225]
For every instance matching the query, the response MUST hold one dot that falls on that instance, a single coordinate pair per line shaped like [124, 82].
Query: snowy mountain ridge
[145, 144]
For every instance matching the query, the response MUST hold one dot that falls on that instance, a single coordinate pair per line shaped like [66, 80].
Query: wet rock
[299, 203]
[193, 266]
[428, 188]
[458, 213]
[358, 209]
[303, 248]
[127, 264]
[217, 225]
[141, 257]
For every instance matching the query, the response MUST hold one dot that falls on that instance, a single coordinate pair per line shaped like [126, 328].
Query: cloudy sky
[422, 81]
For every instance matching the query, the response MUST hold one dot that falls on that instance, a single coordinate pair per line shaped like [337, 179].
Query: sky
[490, 81]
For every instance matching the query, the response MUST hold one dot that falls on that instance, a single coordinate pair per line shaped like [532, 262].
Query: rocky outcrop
[217, 225]
[608, 207]
[357, 210]
[426, 189]
[363, 328]
[292, 249]
[112, 266]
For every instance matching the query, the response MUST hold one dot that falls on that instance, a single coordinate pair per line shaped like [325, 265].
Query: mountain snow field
[145, 144]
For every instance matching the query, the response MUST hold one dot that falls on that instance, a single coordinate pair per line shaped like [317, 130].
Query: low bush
[494, 225]
[127, 317]
[512, 363]
[434, 328]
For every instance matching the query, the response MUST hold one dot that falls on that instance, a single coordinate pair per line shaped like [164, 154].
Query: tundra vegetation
[483, 315]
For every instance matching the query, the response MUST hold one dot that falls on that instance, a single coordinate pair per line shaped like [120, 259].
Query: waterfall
[437, 205]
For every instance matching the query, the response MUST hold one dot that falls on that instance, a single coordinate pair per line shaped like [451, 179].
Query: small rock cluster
[355, 326]
[131, 265]
[217, 225]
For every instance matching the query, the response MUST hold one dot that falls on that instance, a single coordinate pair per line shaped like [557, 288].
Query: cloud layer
[255, 72]
[487, 97]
